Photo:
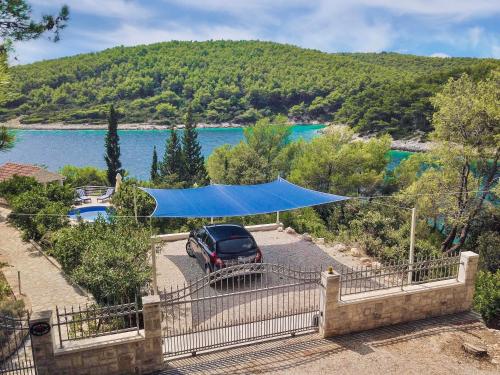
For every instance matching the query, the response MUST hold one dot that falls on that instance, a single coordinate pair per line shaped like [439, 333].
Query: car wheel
[189, 251]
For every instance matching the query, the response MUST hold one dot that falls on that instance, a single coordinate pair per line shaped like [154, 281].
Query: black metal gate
[239, 304]
[15, 353]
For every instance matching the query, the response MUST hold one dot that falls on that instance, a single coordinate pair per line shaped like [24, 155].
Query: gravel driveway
[176, 268]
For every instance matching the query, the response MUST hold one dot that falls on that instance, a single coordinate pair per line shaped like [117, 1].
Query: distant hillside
[237, 82]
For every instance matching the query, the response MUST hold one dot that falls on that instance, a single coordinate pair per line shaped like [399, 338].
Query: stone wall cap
[151, 299]
[99, 342]
[469, 254]
[41, 315]
[414, 289]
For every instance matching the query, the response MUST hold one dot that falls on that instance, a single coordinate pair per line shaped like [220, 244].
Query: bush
[84, 176]
[110, 260]
[12, 308]
[305, 220]
[39, 210]
[17, 185]
[487, 297]
[488, 247]
[25, 206]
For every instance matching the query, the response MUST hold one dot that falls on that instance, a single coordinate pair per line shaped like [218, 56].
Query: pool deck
[93, 202]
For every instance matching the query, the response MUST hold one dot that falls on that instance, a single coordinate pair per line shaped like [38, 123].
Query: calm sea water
[56, 148]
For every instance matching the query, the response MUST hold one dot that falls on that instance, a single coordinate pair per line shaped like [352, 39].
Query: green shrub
[38, 211]
[487, 297]
[25, 206]
[84, 176]
[12, 308]
[488, 247]
[305, 220]
[17, 185]
[110, 260]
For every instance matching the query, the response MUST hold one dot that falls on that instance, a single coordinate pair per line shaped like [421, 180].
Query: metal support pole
[135, 204]
[211, 220]
[277, 217]
[19, 281]
[411, 255]
[153, 259]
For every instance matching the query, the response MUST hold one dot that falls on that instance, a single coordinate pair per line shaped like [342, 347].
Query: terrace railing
[81, 322]
[93, 191]
[396, 274]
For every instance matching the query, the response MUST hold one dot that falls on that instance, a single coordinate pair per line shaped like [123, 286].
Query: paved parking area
[175, 267]
[432, 346]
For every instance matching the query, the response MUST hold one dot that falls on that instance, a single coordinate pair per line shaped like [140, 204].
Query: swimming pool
[90, 213]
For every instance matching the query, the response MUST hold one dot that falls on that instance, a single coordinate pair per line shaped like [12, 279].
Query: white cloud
[440, 54]
[122, 9]
[438, 8]
[329, 25]
[475, 34]
[130, 35]
[495, 51]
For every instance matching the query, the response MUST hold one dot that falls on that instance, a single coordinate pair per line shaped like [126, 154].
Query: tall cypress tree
[172, 164]
[194, 164]
[154, 166]
[112, 144]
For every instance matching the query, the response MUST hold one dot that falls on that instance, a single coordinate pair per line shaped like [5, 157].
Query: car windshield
[235, 245]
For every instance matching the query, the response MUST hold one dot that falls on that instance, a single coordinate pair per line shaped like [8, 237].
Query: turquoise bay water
[56, 148]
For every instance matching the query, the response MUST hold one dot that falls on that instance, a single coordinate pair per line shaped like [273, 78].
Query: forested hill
[237, 82]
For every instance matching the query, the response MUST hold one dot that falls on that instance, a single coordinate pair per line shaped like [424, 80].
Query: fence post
[467, 275]
[151, 312]
[42, 345]
[411, 255]
[328, 301]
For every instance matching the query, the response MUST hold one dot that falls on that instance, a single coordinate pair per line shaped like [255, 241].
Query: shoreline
[410, 145]
[128, 126]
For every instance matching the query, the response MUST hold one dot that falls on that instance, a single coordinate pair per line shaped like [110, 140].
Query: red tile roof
[8, 170]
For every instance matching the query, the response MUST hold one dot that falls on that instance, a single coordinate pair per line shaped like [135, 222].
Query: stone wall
[123, 353]
[358, 312]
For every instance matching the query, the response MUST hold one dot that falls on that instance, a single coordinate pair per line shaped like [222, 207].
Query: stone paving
[41, 281]
[432, 346]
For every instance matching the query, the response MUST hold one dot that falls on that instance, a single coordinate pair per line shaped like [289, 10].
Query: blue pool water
[89, 213]
[56, 148]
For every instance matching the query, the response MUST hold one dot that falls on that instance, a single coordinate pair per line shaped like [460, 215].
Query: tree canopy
[237, 81]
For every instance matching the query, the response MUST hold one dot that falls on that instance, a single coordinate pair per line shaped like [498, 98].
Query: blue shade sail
[236, 200]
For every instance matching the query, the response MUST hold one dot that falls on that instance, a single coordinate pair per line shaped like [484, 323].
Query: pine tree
[154, 166]
[194, 164]
[112, 144]
[171, 168]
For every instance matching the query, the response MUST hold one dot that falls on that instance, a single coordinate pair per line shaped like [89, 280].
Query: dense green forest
[239, 82]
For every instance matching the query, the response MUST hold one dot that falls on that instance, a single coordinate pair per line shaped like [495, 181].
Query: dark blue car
[222, 245]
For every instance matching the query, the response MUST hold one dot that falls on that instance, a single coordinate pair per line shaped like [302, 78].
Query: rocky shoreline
[411, 145]
[87, 126]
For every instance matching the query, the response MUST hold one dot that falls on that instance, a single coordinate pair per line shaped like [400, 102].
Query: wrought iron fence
[239, 304]
[76, 323]
[16, 356]
[397, 274]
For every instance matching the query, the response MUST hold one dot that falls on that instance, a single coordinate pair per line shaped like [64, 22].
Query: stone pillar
[467, 274]
[329, 299]
[43, 346]
[153, 350]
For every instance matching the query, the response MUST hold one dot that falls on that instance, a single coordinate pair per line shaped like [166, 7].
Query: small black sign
[40, 329]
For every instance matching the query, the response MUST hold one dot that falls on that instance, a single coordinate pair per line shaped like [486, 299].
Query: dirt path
[430, 346]
[42, 282]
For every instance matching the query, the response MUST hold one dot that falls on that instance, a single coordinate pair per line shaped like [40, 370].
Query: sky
[438, 28]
